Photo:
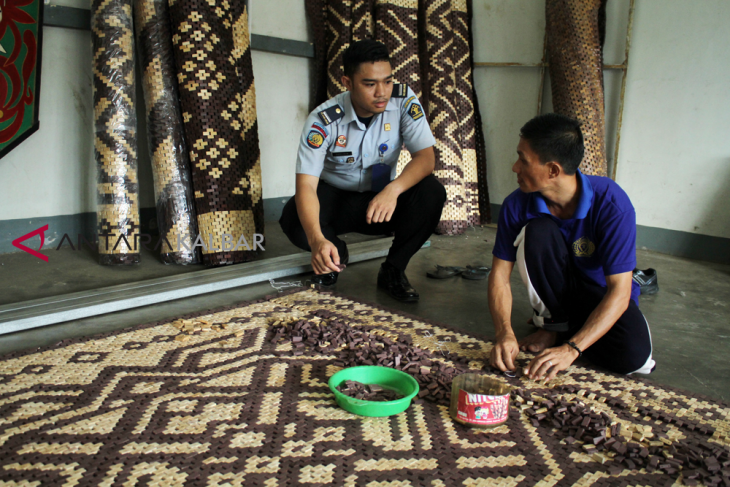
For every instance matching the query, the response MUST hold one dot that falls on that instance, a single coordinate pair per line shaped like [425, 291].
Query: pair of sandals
[472, 272]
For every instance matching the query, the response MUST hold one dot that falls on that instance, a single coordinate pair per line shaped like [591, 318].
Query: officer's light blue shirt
[343, 152]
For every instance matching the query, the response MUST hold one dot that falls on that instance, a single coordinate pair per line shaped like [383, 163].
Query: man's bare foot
[539, 341]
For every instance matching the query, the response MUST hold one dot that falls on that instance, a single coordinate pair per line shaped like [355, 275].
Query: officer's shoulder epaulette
[400, 90]
[331, 114]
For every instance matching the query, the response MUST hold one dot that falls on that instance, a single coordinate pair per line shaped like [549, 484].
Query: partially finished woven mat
[210, 400]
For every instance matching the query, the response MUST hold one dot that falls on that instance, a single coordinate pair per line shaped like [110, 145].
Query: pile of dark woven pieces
[326, 334]
[368, 392]
[639, 447]
[594, 433]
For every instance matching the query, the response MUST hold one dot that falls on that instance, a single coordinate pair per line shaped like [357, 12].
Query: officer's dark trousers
[563, 301]
[415, 218]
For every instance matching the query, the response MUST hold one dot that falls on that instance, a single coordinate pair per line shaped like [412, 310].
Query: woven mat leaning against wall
[169, 155]
[576, 31]
[212, 53]
[431, 50]
[115, 131]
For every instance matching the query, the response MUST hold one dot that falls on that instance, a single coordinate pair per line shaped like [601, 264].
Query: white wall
[282, 92]
[674, 159]
[674, 155]
[53, 171]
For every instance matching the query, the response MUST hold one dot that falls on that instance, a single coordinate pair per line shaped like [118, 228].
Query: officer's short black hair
[365, 51]
[557, 138]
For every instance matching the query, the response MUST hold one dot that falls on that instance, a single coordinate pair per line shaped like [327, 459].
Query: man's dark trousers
[416, 215]
[626, 347]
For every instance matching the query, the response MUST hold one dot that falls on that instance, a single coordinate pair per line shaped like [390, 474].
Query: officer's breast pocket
[341, 162]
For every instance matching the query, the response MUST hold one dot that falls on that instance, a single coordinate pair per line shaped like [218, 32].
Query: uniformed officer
[346, 168]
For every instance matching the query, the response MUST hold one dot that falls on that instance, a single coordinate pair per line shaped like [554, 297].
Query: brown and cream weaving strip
[338, 34]
[115, 137]
[363, 25]
[170, 164]
[397, 27]
[576, 72]
[443, 115]
[464, 84]
[218, 102]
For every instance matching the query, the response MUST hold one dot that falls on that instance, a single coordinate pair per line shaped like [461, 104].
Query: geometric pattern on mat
[228, 407]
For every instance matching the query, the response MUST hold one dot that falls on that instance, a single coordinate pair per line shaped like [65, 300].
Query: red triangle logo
[42, 232]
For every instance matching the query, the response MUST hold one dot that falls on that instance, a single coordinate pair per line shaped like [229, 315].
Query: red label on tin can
[481, 408]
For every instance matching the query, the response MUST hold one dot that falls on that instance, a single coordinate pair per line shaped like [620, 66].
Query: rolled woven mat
[317, 18]
[170, 163]
[576, 72]
[338, 36]
[443, 115]
[397, 27]
[217, 98]
[466, 109]
[363, 22]
[115, 125]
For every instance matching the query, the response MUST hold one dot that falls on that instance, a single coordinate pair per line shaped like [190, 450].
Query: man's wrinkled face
[532, 174]
[370, 88]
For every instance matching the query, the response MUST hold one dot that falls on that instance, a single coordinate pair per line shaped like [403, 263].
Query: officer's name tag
[381, 177]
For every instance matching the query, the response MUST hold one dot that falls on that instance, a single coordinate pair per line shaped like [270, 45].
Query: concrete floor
[688, 317]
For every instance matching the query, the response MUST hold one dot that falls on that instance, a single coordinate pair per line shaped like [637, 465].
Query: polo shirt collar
[585, 200]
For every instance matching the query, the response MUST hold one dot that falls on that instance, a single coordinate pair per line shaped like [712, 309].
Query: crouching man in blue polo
[573, 239]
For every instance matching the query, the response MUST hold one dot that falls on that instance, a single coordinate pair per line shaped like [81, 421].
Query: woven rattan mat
[154, 405]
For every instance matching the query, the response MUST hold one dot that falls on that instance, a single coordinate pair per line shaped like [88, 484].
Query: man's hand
[504, 352]
[551, 361]
[325, 258]
[381, 207]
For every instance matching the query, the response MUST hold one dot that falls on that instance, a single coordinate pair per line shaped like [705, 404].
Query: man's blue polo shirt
[601, 236]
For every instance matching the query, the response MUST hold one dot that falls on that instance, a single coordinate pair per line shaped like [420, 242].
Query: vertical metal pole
[542, 72]
[629, 28]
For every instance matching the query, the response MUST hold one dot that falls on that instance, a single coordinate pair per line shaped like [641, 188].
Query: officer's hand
[325, 258]
[504, 352]
[381, 207]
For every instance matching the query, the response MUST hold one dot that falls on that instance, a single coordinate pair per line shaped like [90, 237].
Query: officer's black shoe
[330, 279]
[395, 283]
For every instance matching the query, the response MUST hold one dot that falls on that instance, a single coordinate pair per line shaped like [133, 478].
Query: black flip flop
[476, 273]
[444, 272]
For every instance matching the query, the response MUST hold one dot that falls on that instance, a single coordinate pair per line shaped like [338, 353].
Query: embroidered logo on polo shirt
[583, 247]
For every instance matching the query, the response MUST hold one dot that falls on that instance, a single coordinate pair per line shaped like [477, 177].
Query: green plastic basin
[400, 382]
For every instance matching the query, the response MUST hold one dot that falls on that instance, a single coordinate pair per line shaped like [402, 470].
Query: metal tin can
[479, 401]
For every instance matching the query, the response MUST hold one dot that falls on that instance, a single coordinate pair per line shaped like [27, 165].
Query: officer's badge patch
[320, 128]
[583, 247]
[341, 141]
[386, 127]
[350, 160]
[415, 111]
[315, 139]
